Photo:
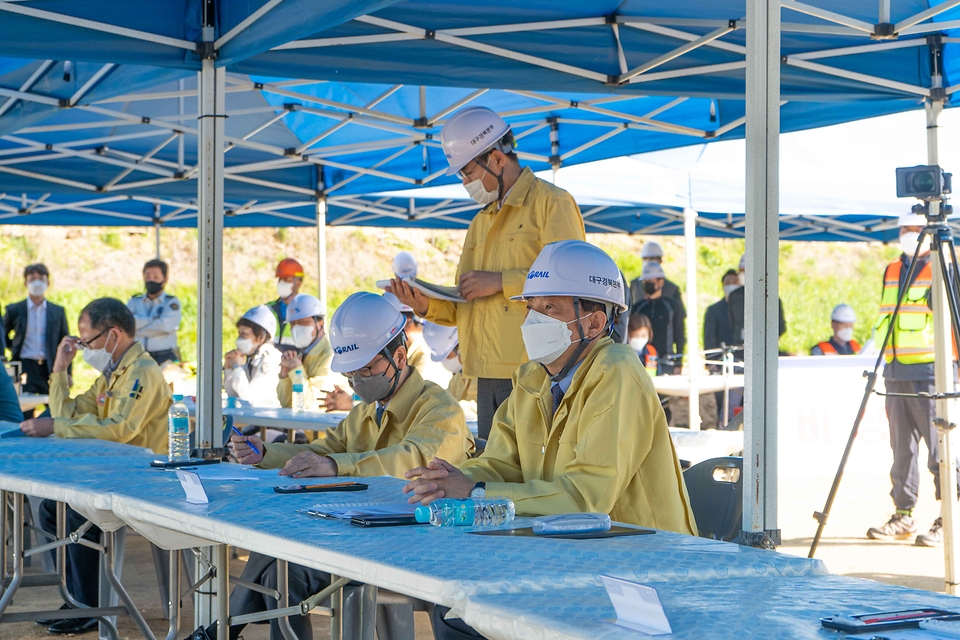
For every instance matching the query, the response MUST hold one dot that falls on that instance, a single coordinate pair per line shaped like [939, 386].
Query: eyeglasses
[86, 345]
[364, 372]
[464, 173]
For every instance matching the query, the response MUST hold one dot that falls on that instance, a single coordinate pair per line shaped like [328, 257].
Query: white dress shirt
[34, 342]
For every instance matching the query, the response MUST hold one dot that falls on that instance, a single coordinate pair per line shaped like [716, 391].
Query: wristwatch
[479, 490]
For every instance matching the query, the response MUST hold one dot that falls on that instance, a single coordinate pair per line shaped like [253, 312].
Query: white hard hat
[652, 271]
[743, 262]
[469, 133]
[843, 313]
[363, 325]
[304, 306]
[405, 265]
[651, 250]
[440, 339]
[576, 269]
[912, 220]
[395, 301]
[262, 317]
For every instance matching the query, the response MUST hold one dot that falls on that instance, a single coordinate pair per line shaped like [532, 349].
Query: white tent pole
[694, 360]
[156, 226]
[762, 271]
[943, 372]
[322, 252]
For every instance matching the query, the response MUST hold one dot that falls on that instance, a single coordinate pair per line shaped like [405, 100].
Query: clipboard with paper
[405, 268]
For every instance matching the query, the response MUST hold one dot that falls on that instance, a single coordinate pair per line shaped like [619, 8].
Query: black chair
[715, 488]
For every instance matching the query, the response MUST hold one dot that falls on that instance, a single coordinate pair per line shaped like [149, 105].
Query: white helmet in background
[304, 306]
[469, 133]
[843, 313]
[912, 220]
[264, 318]
[363, 325]
[651, 250]
[441, 340]
[576, 269]
[395, 301]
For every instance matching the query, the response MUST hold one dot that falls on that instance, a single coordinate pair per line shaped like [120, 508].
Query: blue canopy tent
[848, 51]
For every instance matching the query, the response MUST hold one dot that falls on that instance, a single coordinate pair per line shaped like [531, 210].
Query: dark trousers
[491, 392]
[83, 563]
[911, 419]
[162, 356]
[38, 379]
[453, 629]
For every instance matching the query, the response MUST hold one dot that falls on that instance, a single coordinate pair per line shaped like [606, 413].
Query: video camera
[928, 182]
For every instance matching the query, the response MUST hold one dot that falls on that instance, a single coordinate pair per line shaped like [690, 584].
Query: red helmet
[289, 268]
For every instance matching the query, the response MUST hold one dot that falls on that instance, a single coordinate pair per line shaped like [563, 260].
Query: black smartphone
[321, 488]
[384, 521]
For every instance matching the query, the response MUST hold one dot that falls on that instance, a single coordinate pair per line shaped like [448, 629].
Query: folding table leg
[222, 564]
[112, 551]
[17, 576]
[354, 613]
[173, 594]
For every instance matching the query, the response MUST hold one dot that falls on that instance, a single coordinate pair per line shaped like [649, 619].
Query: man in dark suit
[38, 326]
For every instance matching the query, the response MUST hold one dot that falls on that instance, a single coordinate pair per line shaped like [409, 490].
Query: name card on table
[193, 487]
[638, 607]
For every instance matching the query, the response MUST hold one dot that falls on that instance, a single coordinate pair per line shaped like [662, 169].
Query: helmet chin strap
[575, 356]
[498, 177]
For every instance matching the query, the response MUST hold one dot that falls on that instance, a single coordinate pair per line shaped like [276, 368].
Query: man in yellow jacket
[521, 215]
[311, 353]
[127, 403]
[401, 422]
[582, 430]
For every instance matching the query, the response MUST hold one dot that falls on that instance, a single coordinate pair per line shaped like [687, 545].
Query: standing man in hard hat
[583, 430]
[909, 359]
[311, 353]
[521, 214]
[289, 280]
[665, 315]
[402, 421]
[653, 252]
[842, 343]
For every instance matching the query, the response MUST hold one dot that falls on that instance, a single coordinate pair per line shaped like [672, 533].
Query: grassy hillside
[86, 263]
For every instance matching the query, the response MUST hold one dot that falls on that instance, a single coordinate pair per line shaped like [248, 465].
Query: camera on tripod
[928, 182]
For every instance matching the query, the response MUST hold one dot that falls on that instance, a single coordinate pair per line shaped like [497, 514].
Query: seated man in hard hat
[402, 422]
[653, 252]
[128, 403]
[842, 342]
[289, 280]
[311, 353]
[582, 430]
[521, 213]
[251, 372]
[444, 345]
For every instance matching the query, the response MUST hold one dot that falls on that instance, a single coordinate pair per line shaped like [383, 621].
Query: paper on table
[435, 291]
[346, 512]
[229, 471]
[638, 606]
[192, 487]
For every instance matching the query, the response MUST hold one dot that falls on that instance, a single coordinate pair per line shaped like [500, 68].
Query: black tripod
[941, 237]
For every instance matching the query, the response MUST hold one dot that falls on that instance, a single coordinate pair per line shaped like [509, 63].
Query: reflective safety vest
[649, 359]
[827, 348]
[912, 339]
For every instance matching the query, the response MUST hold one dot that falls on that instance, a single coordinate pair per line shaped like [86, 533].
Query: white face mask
[909, 241]
[546, 338]
[302, 335]
[637, 344]
[99, 359]
[284, 289]
[479, 193]
[845, 335]
[453, 365]
[245, 346]
[742, 279]
[36, 287]
[729, 288]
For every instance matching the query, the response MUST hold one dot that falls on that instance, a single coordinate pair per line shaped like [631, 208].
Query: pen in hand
[249, 444]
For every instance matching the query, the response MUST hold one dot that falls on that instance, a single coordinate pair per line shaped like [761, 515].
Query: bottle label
[180, 425]
[298, 388]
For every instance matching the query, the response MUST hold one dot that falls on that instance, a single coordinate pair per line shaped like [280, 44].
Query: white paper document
[638, 606]
[192, 486]
[435, 291]
[346, 512]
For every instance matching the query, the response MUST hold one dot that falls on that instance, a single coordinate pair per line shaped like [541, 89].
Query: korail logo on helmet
[538, 274]
[347, 349]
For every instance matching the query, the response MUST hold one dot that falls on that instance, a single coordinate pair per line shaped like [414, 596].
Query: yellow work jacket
[316, 367]
[132, 408]
[417, 351]
[421, 421]
[534, 214]
[606, 450]
[462, 387]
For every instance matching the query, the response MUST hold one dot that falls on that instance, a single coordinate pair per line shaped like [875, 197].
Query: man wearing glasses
[521, 214]
[127, 403]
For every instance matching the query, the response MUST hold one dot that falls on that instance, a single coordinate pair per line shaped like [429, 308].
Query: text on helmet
[480, 136]
[347, 349]
[538, 274]
[605, 282]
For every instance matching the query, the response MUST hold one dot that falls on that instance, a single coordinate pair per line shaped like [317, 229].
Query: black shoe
[200, 634]
[47, 623]
[71, 626]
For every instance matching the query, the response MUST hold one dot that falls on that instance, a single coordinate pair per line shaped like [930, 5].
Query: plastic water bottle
[178, 424]
[448, 512]
[297, 401]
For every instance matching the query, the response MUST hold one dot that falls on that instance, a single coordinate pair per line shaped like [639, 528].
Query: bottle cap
[178, 397]
[422, 514]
